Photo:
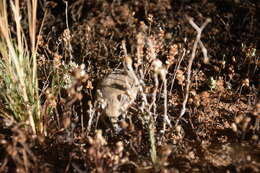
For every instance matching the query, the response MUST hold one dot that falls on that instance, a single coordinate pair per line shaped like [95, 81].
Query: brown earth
[219, 131]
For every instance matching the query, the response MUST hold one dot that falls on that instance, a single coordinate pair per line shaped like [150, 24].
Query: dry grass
[19, 67]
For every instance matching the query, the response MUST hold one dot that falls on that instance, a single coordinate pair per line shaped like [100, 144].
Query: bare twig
[188, 82]
[68, 44]
[148, 118]
[177, 68]
[156, 80]
[166, 118]
[130, 70]
[203, 49]
[91, 112]
[161, 70]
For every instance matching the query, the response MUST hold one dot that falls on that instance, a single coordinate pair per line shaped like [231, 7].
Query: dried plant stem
[68, 44]
[66, 13]
[203, 49]
[166, 118]
[20, 64]
[32, 18]
[131, 72]
[154, 95]
[177, 68]
[148, 118]
[188, 81]
[32, 11]
[91, 112]
[153, 141]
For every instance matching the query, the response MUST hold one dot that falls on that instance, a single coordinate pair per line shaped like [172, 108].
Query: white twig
[166, 118]
[203, 49]
[91, 112]
[67, 24]
[130, 71]
[177, 68]
[154, 95]
[188, 82]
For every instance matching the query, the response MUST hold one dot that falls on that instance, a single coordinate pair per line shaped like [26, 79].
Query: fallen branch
[199, 31]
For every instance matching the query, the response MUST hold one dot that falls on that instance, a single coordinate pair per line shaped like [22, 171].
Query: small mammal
[116, 92]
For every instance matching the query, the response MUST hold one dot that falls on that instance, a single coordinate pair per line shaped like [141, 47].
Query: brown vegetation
[129, 86]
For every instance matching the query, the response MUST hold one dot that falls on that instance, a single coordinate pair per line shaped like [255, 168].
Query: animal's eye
[119, 97]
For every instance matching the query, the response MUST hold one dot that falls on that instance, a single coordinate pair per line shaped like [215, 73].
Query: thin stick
[91, 112]
[154, 95]
[166, 118]
[130, 70]
[188, 82]
[177, 68]
[67, 24]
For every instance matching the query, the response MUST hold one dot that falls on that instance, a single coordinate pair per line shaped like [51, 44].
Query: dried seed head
[256, 111]
[150, 18]
[57, 60]
[159, 68]
[120, 146]
[255, 137]
[66, 37]
[163, 73]
[66, 122]
[151, 49]
[157, 65]
[234, 127]
[245, 82]
[245, 123]
[143, 27]
[89, 85]
[128, 61]
[178, 128]
[123, 124]
[100, 139]
[180, 77]
[238, 119]
[193, 92]
[173, 50]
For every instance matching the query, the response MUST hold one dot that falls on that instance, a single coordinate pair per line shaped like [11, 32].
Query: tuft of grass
[18, 66]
